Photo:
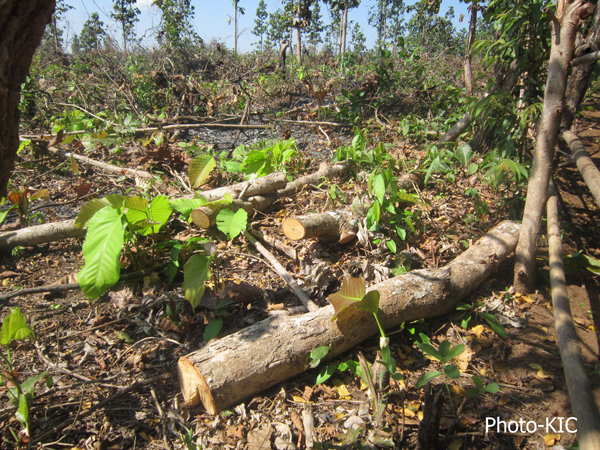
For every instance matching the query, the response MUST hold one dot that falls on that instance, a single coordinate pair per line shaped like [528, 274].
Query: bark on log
[563, 45]
[230, 369]
[22, 24]
[589, 171]
[206, 216]
[329, 226]
[457, 129]
[39, 234]
[326, 170]
[259, 186]
[580, 391]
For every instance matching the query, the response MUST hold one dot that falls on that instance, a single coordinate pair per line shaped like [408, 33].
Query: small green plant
[232, 224]
[20, 393]
[444, 353]
[471, 310]
[262, 159]
[480, 388]
[20, 201]
[111, 222]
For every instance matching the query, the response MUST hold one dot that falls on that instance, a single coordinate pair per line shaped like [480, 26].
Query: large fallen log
[259, 186]
[39, 234]
[226, 371]
[340, 226]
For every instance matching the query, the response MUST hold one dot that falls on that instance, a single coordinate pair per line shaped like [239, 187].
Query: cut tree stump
[228, 370]
[340, 226]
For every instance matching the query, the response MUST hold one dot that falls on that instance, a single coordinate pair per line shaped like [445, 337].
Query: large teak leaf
[353, 290]
[101, 249]
[196, 272]
[200, 169]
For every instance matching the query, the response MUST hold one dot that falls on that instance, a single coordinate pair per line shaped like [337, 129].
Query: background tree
[22, 23]
[176, 32]
[260, 23]
[386, 17]
[53, 36]
[236, 10]
[358, 39]
[279, 25]
[469, 43]
[343, 6]
[431, 32]
[91, 36]
[127, 14]
[315, 27]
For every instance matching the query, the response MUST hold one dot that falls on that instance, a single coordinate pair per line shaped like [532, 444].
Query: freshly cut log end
[194, 387]
[201, 218]
[293, 229]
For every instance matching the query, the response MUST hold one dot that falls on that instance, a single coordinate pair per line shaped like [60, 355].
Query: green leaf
[14, 326]
[88, 211]
[3, 214]
[392, 245]
[464, 154]
[430, 350]
[160, 211]
[477, 382]
[492, 388]
[319, 353]
[185, 206]
[370, 302]
[325, 374]
[494, 324]
[455, 351]
[426, 378]
[232, 224]
[213, 328]
[101, 249]
[196, 273]
[124, 337]
[353, 290]
[452, 371]
[28, 385]
[443, 349]
[200, 168]
[379, 187]
[22, 413]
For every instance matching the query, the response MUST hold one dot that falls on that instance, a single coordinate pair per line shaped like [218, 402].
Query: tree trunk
[39, 234]
[298, 36]
[581, 75]
[585, 164]
[226, 371]
[344, 26]
[564, 30]
[22, 24]
[235, 35]
[468, 45]
[338, 226]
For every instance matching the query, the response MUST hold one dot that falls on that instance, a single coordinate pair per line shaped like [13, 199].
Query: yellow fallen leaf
[338, 416]
[551, 439]
[409, 413]
[483, 372]
[540, 371]
[420, 415]
[504, 400]
[145, 437]
[502, 367]
[477, 330]
[459, 390]
[298, 399]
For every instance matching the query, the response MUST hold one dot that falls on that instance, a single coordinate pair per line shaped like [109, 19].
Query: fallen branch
[230, 369]
[39, 234]
[457, 129]
[276, 243]
[282, 273]
[259, 186]
[132, 173]
[589, 171]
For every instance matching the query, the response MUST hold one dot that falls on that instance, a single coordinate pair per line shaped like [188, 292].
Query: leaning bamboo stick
[578, 384]
[589, 171]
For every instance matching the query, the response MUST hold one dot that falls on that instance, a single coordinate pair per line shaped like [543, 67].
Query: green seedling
[472, 311]
[20, 393]
[490, 388]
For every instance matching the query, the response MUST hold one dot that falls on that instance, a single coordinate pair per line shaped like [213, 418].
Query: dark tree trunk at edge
[22, 24]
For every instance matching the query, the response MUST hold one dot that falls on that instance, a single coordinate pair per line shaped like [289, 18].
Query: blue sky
[212, 16]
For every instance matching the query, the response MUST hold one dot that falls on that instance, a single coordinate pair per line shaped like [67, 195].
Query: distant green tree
[260, 23]
[127, 14]
[357, 38]
[432, 32]
[343, 6]
[91, 36]
[53, 36]
[316, 27]
[279, 24]
[176, 32]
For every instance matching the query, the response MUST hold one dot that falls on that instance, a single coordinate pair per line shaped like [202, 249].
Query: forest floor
[123, 350]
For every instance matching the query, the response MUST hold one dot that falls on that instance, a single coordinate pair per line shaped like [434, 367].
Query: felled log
[260, 193]
[206, 216]
[340, 226]
[39, 234]
[226, 371]
[259, 186]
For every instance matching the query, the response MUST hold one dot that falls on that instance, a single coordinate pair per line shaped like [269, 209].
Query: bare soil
[113, 360]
